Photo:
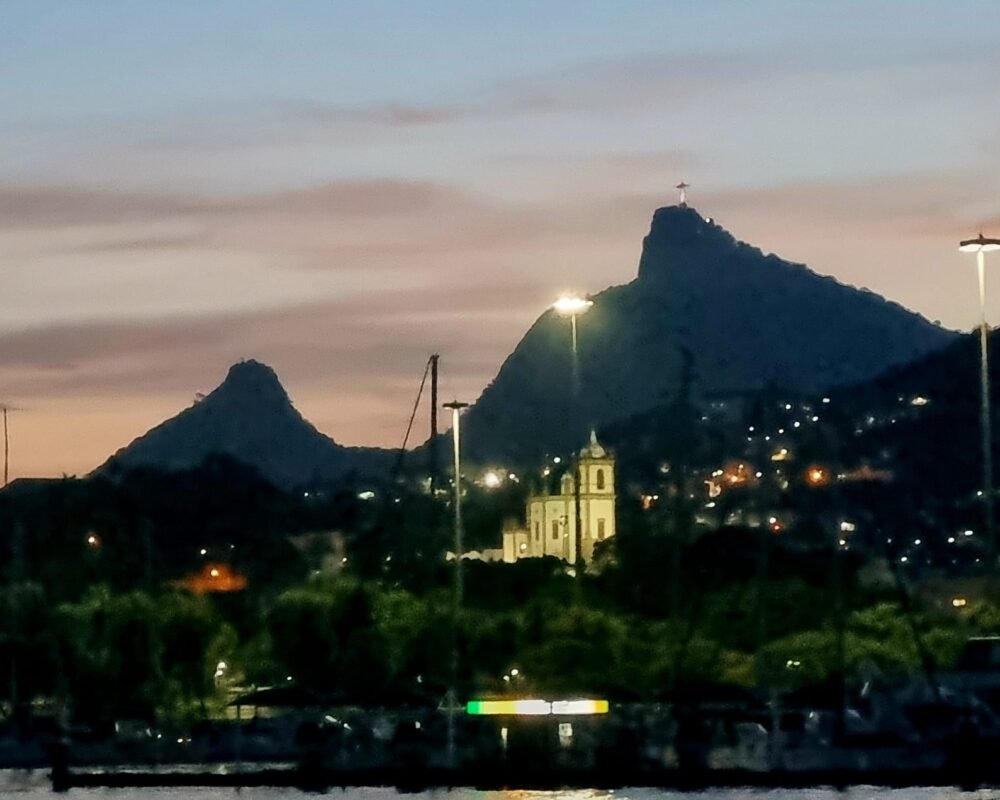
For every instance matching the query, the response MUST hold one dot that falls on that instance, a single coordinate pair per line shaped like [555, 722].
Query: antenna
[6, 449]
[433, 449]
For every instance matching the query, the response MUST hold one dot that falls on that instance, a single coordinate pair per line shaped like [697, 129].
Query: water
[34, 786]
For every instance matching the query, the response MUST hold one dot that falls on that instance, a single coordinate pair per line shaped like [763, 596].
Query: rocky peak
[679, 236]
[251, 419]
[254, 383]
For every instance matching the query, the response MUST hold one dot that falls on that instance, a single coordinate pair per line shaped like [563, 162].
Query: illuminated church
[550, 528]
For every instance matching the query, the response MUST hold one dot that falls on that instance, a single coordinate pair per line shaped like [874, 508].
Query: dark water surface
[31, 785]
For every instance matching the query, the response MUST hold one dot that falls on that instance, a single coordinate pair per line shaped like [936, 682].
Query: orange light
[817, 475]
[959, 602]
[214, 578]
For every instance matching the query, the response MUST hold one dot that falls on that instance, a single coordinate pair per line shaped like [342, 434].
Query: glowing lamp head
[492, 480]
[817, 476]
[980, 244]
[571, 305]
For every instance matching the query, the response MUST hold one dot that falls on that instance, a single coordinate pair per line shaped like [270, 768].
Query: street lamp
[572, 306]
[456, 407]
[981, 246]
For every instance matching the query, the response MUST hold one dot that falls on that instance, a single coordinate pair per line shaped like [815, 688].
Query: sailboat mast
[433, 449]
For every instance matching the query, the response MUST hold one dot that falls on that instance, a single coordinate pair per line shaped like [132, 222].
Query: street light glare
[570, 305]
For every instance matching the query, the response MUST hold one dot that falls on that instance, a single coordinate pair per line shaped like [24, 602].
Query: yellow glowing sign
[580, 707]
[535, 708]
[518, 708]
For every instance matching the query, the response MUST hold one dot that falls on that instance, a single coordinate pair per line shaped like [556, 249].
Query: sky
[340, 189]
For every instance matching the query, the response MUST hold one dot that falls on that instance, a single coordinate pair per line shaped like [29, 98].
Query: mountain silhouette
[250, 418]
[742, 318]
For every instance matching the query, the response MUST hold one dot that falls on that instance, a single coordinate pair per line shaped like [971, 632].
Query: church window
[538, 530]
[555, 529]
[600, 479]
[600, 528]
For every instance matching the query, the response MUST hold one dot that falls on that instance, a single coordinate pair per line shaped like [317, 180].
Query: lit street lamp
[980, 246]
[572, 307]
[456, 433]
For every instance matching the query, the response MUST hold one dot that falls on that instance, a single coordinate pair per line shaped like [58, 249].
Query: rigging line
[413, 416]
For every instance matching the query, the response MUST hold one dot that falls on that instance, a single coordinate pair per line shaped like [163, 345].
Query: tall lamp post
[456, 407]
[572, 307]
[981, 246]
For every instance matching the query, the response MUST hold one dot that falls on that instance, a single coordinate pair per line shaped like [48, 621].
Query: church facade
[550, 519]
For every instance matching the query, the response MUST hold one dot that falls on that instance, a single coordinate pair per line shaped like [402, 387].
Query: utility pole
[6, 449]
[572, 307]
[14, 633]
[433, 449]
[980, 246]
[456, 408]
[577, 471]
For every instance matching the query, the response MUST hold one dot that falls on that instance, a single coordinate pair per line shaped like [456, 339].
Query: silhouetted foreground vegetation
[95, 622]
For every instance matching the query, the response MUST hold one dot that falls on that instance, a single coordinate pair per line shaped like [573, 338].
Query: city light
[959, 602]
[491, 480]
[214, 578]
[817, 476]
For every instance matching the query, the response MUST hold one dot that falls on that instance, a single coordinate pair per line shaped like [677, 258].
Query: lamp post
[572, 307]
[456, 433]
[980, 246]
[6, 449]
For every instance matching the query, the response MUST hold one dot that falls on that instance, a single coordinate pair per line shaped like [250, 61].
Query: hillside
[747, 320]
[250, 418]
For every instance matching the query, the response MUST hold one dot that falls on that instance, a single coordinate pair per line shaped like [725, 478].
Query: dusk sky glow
[341, 188]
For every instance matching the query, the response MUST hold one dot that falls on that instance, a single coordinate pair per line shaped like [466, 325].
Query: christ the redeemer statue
[682, 187]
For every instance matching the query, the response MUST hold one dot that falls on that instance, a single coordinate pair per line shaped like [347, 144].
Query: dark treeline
[95, 621]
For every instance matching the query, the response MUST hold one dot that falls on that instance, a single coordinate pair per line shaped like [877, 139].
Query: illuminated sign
[580, 707]
[535, 708]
